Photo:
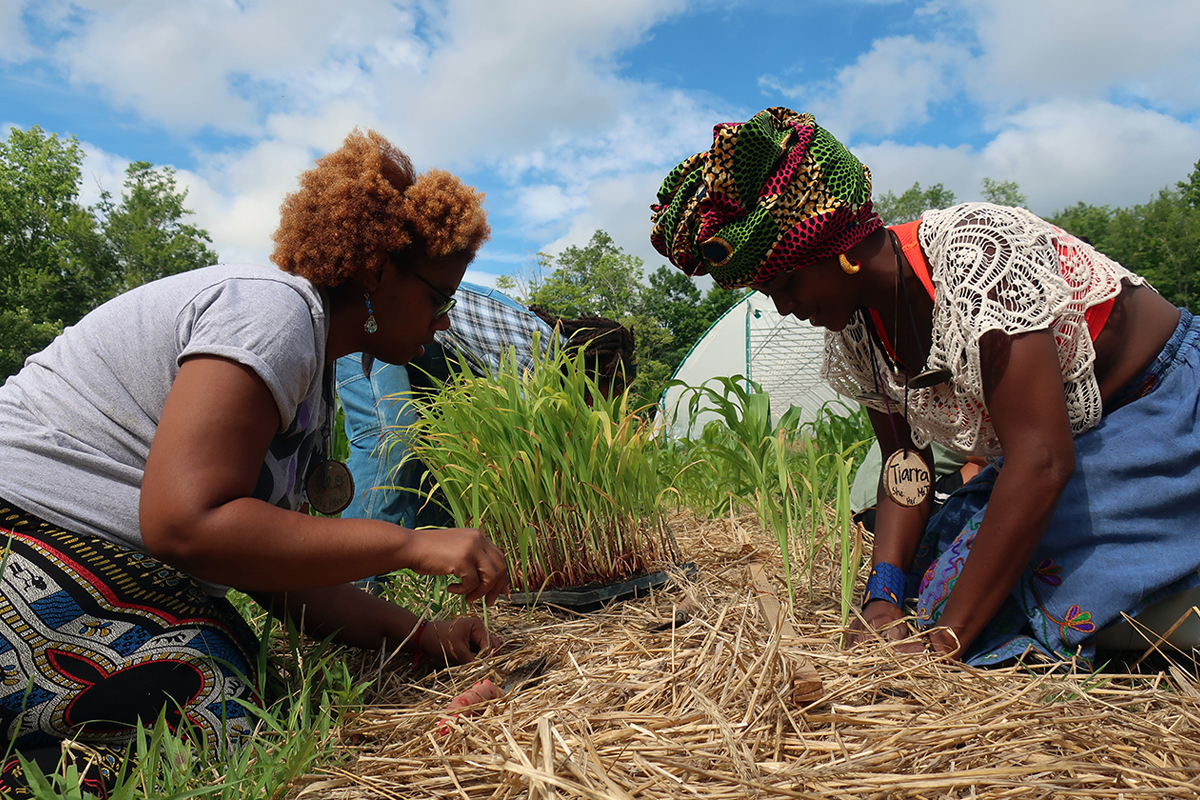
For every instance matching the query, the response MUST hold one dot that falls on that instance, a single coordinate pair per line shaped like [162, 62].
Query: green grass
[565, 481]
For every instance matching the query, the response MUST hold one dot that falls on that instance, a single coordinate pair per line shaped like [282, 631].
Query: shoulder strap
[907, 234]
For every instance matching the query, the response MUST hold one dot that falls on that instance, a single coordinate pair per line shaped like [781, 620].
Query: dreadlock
[607, 344]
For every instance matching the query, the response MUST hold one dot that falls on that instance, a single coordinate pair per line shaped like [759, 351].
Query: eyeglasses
[444, 308]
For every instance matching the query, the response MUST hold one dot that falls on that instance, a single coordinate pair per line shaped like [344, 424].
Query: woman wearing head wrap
[994, 333]
[165, 448]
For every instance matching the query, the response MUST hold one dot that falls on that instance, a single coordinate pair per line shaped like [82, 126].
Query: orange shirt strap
[883, 337]
[1096, 316]
[907, 234]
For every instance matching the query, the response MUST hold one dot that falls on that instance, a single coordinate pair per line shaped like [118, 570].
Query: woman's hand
[465, 553]
[456, 641]
[943, 641]
[884, 619]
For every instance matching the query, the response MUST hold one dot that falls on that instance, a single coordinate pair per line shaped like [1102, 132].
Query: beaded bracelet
[887, 582]
[417, 641]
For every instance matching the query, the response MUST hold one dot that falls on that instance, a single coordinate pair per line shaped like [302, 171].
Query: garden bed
[686, 694]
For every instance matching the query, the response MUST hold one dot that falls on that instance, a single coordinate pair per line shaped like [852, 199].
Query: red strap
[907, 234]
[1097, 316]
[883, 337]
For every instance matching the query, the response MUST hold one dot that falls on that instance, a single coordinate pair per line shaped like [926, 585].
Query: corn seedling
[795, 478]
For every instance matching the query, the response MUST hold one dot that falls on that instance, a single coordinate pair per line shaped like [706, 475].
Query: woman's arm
[197, 513]
[353, 617]
[1023, 390]
[898, 528]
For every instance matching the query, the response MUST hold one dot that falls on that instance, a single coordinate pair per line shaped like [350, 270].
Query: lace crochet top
[993, 268]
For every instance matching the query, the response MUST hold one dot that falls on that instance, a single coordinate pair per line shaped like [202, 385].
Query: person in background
[165, 448]
[998, 335]
[484, 324]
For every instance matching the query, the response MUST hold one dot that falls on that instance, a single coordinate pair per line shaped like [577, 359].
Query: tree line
[60, 258]
[1159, 240]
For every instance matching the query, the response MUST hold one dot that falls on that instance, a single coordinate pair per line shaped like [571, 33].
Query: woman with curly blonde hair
[166, 448]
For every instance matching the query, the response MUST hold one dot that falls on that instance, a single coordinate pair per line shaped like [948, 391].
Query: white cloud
[1059, 154]
[1096, 152]
[526, 86]
[14, 44]
[889, 88]
[543, 203]
[531, 96]
[895, 167]
[1004, 55]
[100, 172]
[510, 77]
[620, 206]
[1033, 51]
[236, 196]
[189, 66]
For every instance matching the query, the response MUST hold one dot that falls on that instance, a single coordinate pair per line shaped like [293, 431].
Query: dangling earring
[849, 267]
[370, 325]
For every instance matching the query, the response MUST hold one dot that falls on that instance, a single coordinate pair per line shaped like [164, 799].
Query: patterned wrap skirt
[95, 636]
[1125, 534]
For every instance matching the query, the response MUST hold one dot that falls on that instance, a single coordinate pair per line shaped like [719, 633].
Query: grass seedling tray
[590, 598]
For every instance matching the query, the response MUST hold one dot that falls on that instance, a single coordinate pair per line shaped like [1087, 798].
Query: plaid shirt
[486, 322]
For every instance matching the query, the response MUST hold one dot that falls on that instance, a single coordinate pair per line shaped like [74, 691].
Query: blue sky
[568, 113]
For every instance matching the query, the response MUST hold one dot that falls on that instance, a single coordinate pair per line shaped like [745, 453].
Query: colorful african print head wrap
[772, 195]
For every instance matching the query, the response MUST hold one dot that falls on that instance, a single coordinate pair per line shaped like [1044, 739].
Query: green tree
[1160, 241]
[1003, 193]
[675, 300]
[895, 210]
[1191, 187]
[145, 231]
[49, 244]
[59, 259]
[715, 303]
[667, 315]
[1087, 222]
[599, 278]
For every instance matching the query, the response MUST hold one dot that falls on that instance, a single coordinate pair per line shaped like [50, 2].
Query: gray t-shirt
[77, 421]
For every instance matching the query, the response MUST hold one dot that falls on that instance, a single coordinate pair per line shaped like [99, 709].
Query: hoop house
[782, 354]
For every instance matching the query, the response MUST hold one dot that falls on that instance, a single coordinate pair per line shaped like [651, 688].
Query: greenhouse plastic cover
[782, 354]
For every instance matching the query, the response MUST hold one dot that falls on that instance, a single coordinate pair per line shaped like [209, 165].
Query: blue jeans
[372, 406]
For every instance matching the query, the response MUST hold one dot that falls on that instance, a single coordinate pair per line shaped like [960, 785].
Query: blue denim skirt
[1125, 534]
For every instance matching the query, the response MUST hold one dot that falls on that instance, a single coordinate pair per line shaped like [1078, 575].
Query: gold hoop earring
[849, 267]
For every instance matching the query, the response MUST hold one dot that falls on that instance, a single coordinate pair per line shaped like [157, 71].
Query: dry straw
[633, 706]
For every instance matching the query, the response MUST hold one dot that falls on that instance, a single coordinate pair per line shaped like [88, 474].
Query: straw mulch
[631, 706]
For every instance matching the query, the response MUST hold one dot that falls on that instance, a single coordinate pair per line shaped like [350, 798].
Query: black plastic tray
[593, 598]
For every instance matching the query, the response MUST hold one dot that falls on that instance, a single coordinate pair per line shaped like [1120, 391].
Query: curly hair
[608, 346]
[364, 199]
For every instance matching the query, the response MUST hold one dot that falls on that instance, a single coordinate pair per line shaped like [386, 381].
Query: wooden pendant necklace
[330, 486]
